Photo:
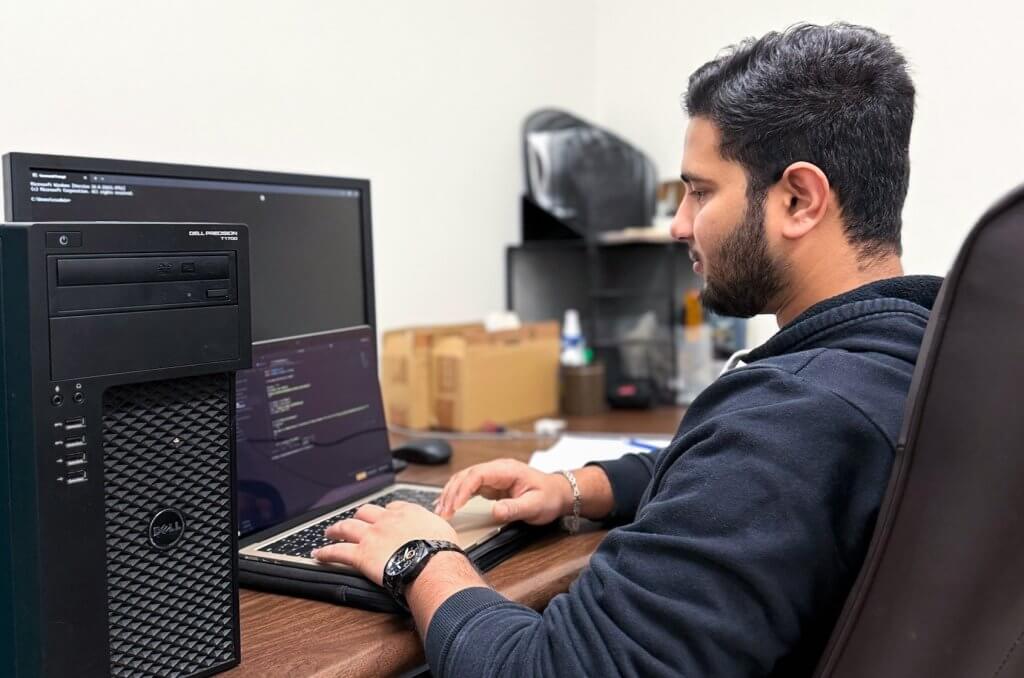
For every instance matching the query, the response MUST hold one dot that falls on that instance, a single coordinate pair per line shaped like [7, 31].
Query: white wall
[424, 98]
[967, 146]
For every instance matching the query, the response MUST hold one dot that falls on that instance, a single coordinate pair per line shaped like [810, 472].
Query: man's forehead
[701, 159]
[702, 135]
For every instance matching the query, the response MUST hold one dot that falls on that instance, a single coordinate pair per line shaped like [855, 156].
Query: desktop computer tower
[117, 443]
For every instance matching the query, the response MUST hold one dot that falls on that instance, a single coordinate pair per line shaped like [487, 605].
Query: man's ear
[805, 191]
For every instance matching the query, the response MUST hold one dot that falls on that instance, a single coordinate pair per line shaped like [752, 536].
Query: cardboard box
[496, 377]
[406, 373]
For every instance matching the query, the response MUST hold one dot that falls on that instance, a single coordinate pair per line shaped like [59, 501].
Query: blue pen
[633, 442]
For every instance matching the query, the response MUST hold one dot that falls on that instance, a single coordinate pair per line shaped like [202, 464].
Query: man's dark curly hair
[837, 96]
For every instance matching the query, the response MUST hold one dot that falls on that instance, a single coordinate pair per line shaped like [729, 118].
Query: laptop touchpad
[474, 522]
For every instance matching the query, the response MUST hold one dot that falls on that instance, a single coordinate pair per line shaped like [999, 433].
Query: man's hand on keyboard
[524, 493]
[373, 534]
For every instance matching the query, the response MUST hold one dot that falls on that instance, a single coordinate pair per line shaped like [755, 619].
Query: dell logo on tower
[166, 528]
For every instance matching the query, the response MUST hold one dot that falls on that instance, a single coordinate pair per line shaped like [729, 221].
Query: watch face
[405, 559]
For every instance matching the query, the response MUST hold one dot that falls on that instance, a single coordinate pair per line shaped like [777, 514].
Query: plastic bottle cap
[571, 323]
[694, 315]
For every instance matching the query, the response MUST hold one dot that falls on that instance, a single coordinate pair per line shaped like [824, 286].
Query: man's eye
[699, 195]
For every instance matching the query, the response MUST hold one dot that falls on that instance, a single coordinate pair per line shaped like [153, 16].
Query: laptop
[313, 447]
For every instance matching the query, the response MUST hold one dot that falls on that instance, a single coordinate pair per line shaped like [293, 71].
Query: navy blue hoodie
[742, 537]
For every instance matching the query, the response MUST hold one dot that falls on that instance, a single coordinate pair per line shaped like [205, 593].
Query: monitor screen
[311, 430]
[310, 254]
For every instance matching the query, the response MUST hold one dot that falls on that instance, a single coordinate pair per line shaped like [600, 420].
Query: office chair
[941, 592]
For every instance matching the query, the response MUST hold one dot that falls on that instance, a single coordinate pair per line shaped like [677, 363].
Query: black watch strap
[398, 584]
[442, 545]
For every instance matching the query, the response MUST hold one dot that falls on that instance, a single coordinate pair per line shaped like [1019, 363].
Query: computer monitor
[310, 248]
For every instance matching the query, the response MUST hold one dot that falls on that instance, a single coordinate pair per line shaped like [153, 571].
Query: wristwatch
[408, 561]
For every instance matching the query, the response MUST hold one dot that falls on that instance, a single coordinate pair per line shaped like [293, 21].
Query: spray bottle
[574, 349]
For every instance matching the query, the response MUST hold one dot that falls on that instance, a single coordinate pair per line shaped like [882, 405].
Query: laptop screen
[310, 423]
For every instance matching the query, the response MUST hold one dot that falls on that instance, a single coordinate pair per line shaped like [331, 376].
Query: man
[741, 540]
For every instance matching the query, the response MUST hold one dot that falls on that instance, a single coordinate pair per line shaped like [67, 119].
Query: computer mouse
[424, 451]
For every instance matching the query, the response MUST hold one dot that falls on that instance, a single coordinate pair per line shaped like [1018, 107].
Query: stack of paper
[573, 451]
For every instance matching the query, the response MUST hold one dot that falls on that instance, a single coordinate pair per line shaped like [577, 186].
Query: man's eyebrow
[689, 178]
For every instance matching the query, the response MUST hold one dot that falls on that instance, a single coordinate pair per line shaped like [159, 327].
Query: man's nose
[681, 227]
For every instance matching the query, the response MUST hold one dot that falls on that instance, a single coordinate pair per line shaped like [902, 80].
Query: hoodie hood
[844, 321]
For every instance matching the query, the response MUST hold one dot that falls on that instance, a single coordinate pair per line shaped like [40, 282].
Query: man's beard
[744, 278]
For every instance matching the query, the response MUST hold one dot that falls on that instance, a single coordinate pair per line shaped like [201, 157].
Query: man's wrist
[407, 562]
[595, 493]
[567, 497]
[444, 575]
[596, 500]
[572, 521]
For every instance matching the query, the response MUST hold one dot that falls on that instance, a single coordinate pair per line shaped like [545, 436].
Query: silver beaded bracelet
[572, 523]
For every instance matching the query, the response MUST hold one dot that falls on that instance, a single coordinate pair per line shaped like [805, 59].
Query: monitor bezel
[18, 164]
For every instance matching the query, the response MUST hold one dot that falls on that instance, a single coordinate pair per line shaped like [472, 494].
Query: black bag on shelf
[584, 176]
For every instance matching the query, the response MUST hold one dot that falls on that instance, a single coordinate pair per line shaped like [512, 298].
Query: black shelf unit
[613, 285]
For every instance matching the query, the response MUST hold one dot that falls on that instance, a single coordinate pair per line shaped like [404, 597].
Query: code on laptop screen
[311, 428]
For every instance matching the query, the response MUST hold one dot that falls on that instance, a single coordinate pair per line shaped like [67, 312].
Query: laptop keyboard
[302, 543]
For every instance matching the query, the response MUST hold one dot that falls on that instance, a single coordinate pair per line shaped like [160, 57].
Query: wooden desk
[285, 636]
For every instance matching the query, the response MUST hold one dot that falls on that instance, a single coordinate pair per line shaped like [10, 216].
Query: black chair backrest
[941, 592]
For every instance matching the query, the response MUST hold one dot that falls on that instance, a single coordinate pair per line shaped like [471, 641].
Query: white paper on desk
[573, 451]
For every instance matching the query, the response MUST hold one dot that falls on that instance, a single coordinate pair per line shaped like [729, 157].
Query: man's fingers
[493, 479]
[439, 500]
[347, 530]
[521, 508]
[369, 513]
[337, 553]
[448, 491]
[496, 476]
[466, 489]
[450, 488]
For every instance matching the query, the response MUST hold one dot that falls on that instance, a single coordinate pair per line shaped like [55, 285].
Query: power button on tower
[65, 239]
